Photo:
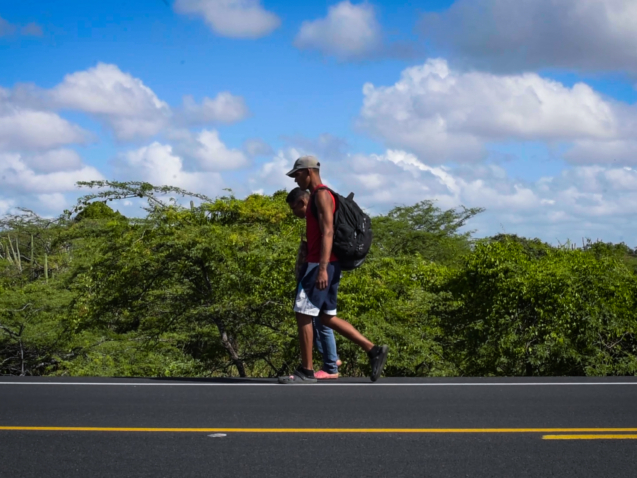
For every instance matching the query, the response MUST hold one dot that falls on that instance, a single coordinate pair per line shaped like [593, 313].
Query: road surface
[91, 427]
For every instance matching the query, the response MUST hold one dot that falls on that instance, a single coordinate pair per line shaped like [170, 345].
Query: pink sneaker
[323, 375]
[339, 363]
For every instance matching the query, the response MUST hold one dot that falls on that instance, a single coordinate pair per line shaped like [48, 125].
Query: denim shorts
[310, 300]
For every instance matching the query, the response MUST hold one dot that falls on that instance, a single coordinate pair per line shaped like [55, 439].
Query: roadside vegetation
[207, 290]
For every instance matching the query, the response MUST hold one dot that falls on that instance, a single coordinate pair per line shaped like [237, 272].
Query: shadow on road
[209, 380]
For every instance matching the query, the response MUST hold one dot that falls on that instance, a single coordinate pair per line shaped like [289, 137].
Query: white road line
[362, 384]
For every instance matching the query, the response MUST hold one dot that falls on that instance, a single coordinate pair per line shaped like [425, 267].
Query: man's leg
[304, 373]
[347, 330]
[304, 324]
[377, 355]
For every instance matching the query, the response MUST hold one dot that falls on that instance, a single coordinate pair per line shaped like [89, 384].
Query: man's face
[302, 178]
[299, 207]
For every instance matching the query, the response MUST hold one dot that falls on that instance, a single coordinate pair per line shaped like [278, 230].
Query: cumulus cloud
[54, 202]
[578, 202]
[158, 164]
[117, 98]
[5, 206]
[326, 146]
[120, 101]
[614, 152]
[445, 115]
[36, 170]
[54, 160]
[257, 147]
[347, 32]
[397, 177]
[25, 129]
[18, 177]
[211, 153]
[223, 108]
[232, 18]
[513, 35]
[581, 201]
[271, 176]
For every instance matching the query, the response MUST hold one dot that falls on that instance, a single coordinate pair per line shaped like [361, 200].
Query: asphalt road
[425, 428]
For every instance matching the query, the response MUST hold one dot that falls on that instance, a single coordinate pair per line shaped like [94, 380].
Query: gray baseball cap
[304, 162]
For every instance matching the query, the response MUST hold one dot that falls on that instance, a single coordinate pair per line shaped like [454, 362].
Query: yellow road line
[326, 430]
[589, 437]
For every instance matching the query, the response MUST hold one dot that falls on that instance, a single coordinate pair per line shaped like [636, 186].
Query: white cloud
[54, 160]
[588, 201]
[513, 35]
[271, 174]
[326, 146]
[446, 115]
[53, 202]
[27, 129]
[17, 177]
[117, 98]
[159, 165]
[232, 18]
[613, 152]
[5, 206]
[257, 147]
[35, 168]
[224, 108]
[347, 32]
[213, 155]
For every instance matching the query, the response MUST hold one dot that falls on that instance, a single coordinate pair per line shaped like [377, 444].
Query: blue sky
[505, 105]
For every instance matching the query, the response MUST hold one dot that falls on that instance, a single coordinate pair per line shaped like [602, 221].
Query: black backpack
[352, 230]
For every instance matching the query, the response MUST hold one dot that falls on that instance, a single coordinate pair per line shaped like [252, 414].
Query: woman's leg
[326, 345]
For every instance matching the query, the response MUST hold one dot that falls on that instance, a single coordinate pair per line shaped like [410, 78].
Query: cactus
[31, 250]
[16, 257]
[17, 247]
[46, 268]
[7, 253]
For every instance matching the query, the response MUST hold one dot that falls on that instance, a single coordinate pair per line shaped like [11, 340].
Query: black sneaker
[377, 359]
[299, 376]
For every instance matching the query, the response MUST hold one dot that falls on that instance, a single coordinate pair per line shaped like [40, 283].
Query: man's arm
[301, 258]
[325, 209]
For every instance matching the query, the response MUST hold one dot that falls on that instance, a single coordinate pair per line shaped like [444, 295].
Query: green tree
[425, 230]
[218, 275]
[566, 313]
[207, 290]
[34, 260]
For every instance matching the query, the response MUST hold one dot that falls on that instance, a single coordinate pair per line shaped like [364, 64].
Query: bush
[565, 313]
[207, 291]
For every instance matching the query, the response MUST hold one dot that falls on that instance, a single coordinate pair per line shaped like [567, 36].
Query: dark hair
[295, 195]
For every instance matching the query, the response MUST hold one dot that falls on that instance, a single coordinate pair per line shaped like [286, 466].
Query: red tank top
[313, 232]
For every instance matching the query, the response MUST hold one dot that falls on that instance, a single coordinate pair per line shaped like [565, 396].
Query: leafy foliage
[424, 229]
[207, 290]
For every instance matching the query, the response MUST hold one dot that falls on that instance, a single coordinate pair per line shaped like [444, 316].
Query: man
[317, 291]
[324, 342]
